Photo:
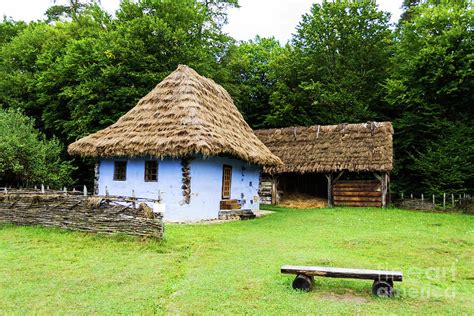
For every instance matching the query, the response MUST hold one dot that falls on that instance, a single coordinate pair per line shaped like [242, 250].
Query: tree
[250, 79]
[9, 29]
[76, 76]
[26, 156]
[430, 92]
[334, 70]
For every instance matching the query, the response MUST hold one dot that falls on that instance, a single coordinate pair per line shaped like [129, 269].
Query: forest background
[81, 68]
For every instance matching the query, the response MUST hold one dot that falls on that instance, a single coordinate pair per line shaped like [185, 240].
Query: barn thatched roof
[352, 147]
[185, 114]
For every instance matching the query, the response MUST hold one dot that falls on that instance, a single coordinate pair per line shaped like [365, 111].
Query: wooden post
[5, 190]
[422, 199]
[133, 198]
[384, 189]
[384, 184]
[329, 177]
[96, 178]
[42, 188]
[411, 196]
[274, 190]
[444, 200]
[402, 195]
[434, 201]
[84, 191]
[452, 199]
[106, 191]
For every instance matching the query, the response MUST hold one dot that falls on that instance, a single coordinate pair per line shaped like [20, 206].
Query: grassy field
[233, 268]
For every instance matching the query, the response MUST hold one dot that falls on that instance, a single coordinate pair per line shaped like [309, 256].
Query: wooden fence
[432, 202]
[78, 211]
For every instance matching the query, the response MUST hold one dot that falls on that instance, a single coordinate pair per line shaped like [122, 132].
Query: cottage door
[226, 181]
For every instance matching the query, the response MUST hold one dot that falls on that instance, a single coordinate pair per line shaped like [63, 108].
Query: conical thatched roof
[185, 114]
[330, 148]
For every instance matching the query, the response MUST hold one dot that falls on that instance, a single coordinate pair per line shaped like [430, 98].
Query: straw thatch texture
[352, 147]
[185, 114]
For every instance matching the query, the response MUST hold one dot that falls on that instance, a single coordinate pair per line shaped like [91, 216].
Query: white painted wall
[206, 185]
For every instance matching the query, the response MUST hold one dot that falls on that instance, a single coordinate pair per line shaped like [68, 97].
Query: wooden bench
[382, 286]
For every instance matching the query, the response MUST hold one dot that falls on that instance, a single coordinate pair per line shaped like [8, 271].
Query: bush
[26, 156]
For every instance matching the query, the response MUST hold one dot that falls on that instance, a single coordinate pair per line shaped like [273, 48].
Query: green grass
[233, 268]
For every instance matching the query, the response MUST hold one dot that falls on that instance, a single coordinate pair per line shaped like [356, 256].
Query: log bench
[382, 286]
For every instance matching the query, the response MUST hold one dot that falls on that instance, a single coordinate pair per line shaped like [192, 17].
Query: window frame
[116, 168]
[227, 196]
[146, 174]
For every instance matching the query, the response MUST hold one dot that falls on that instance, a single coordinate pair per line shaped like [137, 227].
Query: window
[151, 171]
[120, 170]
[226, 181]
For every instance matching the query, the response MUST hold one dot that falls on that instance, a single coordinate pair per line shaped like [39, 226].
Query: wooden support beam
[337, 177]
[274, 189]
[329, 176]
[384, 181]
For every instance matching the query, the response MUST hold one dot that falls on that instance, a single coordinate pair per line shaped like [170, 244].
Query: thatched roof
[352, 147]
[185, 114]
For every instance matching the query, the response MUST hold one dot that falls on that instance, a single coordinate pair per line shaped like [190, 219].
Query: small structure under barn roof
[354, 150]
[184, 142]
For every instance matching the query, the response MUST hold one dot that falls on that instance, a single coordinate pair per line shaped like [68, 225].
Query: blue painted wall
[206, 185]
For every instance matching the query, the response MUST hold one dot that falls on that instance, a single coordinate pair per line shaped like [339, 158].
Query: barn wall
[357, 193]
[206, 185]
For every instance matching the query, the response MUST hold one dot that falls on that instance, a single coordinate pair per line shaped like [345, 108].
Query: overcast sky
[266, 18]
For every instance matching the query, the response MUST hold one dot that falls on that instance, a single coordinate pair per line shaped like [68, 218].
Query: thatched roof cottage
[186, 142]
[335, 161]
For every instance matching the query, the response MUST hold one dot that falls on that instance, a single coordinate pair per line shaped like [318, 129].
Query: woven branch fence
[98, 214]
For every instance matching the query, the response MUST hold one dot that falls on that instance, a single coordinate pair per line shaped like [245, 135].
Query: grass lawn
[233, 268]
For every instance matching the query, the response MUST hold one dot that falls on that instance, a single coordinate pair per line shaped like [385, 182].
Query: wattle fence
[79, 211]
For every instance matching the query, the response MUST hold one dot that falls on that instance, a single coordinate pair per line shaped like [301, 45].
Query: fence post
[452, 199]
[411, 196]
[65, 190]
[5, 190]
[42, 188]
[84, 191]
[444, 200]
[434, 201]
[422, 198]
[402, 195]
[106, 191]
[133, 198]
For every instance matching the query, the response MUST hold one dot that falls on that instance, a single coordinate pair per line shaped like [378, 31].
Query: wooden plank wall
[265, 189]
[357, 193]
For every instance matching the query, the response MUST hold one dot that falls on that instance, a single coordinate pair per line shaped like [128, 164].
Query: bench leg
[303, 282]
[382, 288]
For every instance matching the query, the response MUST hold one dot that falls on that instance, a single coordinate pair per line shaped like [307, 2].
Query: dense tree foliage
[82, 68]
[251, 79]
[334, 68]
[26, 156]
[431, 92]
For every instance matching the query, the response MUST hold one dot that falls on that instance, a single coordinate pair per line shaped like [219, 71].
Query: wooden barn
[349, 164]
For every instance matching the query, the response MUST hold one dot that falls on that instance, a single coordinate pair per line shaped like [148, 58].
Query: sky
[266, 18]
